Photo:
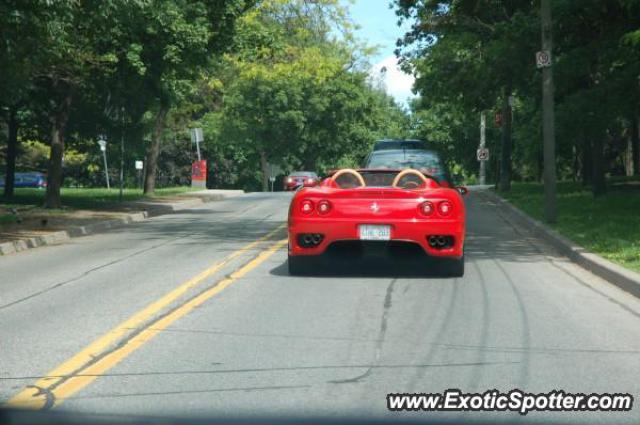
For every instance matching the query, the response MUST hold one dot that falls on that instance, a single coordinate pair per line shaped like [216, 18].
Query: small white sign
[543, 59]
[139, 165]
[483, 154]
[103, 145]
[196, 135]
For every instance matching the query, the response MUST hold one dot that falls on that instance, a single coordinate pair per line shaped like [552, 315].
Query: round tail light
[324, 207]
[289, 180]
[445, 208]
[427, 208]
[306, 206]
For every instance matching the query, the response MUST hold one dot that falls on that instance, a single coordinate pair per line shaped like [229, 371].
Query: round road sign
[483, 154]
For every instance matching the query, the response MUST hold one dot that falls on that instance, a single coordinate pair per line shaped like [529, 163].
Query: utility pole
[544, 61]
[483, 141]
[120, 195]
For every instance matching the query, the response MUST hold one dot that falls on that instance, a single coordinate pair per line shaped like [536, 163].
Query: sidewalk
[38, 227]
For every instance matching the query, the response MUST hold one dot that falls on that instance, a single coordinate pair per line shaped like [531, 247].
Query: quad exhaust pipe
[440, 241]
[310, 240]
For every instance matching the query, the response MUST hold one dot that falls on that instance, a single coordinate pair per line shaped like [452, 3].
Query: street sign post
[102, 141]
[139, 168]
[273, 170]
[197, 137]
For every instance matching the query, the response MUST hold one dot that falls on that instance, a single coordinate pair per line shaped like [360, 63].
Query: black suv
[389, 144]
[401, 154]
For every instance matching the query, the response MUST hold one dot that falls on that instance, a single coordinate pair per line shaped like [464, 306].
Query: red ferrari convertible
[378, 206]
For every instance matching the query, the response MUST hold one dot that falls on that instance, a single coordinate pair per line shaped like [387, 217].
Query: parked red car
[378, 206]
[300, 179]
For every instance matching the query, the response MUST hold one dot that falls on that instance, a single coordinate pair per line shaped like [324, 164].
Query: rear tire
[299, 265]
[455, 267]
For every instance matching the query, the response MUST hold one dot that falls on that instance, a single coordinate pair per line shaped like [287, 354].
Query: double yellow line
[107, 351]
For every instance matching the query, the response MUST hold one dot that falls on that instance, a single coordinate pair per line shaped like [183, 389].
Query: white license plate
[374, 232]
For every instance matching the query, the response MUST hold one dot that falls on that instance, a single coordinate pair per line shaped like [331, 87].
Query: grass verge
[30, 201]
[608, 225]
[87, 198]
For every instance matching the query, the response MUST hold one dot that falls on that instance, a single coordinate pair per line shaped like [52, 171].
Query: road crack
[379, 340]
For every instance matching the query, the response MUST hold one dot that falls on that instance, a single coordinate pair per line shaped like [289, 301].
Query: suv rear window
[399, 144]
[428, 162]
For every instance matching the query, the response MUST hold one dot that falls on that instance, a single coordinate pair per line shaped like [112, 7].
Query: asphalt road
[241, 337]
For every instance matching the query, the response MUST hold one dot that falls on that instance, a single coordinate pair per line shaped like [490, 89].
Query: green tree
[296, 96]
[22, 27]
[175, 41]
[472, 53]
[77, 45]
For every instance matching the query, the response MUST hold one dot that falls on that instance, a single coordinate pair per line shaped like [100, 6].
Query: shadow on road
[189, 228]
[491, 237]
[327, 266]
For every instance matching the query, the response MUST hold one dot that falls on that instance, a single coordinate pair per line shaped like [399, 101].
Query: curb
[61, 236]
[625, 279]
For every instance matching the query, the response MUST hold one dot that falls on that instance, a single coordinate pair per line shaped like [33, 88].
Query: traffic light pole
[548, 118]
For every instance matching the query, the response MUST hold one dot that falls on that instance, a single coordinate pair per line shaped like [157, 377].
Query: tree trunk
[507, 145]
[154, 150]
[598, 185]
[54, 174]
[587, 162]
[575, 168]
[540, 168]
[264, 165]
[635, 144]
[12, 148]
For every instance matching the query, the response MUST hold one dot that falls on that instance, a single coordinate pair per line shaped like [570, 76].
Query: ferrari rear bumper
[411, 231]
